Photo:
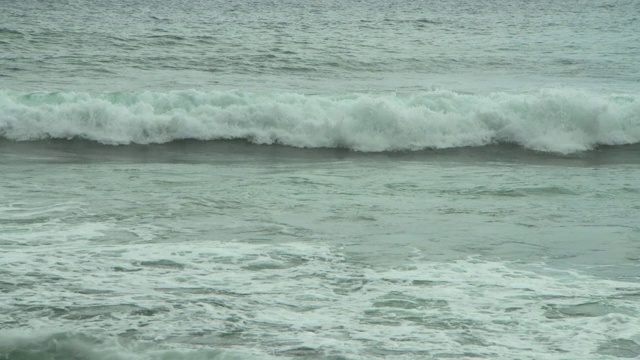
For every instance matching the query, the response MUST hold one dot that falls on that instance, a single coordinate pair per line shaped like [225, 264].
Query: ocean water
[369, 179]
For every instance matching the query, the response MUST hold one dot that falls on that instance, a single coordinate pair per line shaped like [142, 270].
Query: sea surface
[356, 179]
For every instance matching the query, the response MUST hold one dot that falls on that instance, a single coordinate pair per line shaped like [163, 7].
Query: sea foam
[550, 120]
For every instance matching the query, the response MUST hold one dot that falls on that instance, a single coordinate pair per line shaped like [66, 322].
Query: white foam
[316, 301]
[553, 120]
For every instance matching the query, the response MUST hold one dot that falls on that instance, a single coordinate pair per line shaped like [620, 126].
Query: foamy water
[553, 120]
[270, 255]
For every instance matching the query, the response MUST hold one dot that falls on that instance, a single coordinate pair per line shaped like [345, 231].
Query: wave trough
[549, 120]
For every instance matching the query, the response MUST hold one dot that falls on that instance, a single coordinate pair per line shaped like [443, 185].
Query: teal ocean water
[319, 179]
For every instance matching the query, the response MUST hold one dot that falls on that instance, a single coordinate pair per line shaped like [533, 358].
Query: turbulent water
[319, 179]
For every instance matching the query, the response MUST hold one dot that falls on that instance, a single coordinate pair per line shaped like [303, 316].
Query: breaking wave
[549, 120]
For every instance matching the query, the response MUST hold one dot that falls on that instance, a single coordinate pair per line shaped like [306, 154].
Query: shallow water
[307, 254]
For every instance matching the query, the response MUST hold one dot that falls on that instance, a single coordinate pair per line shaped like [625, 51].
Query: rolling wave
[550, 120]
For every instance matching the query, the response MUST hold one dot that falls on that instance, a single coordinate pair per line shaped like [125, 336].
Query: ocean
[361, 179]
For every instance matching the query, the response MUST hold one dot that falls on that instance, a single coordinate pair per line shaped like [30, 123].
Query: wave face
[549, 120]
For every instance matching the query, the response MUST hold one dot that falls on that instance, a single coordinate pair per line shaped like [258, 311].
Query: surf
[562, 121]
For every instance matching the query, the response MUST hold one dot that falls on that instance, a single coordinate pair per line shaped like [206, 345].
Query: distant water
[319, 180]
[318, 46]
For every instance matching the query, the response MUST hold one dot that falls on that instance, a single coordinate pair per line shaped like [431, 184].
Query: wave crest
[550, 120]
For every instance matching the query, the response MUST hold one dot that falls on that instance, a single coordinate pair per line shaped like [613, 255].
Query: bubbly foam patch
[308, 300]
[551, 120]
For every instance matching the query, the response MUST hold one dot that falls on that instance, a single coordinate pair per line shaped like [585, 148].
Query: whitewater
[559, 121]
[255, 179]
